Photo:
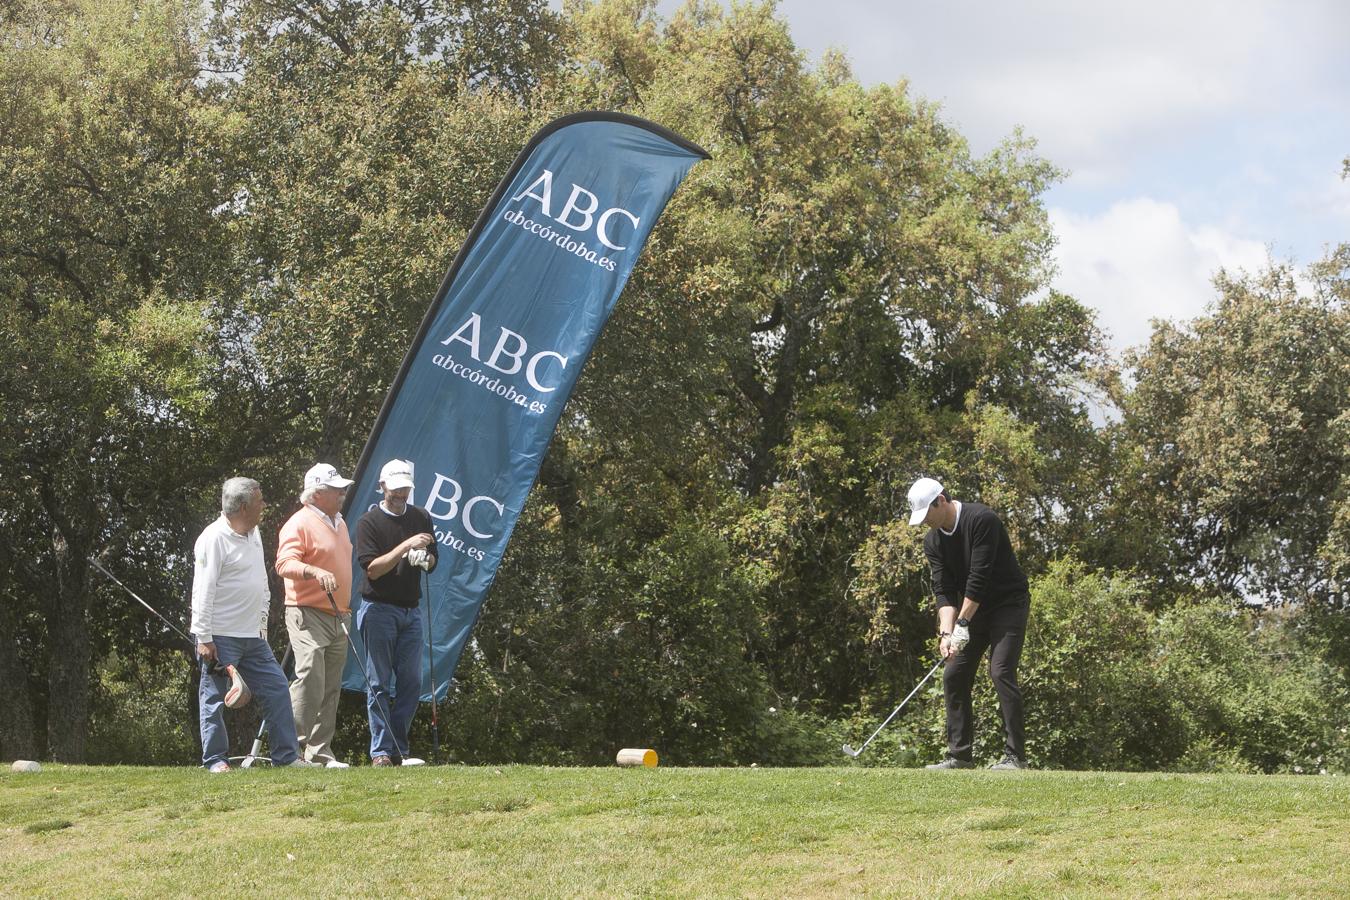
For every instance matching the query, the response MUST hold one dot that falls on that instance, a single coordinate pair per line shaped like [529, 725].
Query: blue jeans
[393, 639]
[258, 666]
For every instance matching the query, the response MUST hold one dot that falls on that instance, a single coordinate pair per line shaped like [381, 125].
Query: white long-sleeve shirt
[229, 586]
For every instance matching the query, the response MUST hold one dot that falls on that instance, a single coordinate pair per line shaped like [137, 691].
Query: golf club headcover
[237, 694]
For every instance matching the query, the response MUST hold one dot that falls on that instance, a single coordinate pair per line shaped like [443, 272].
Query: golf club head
[850, 751]
[237, 695]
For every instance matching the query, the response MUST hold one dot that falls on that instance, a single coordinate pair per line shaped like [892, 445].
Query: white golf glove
[421, 558]
[960, 637]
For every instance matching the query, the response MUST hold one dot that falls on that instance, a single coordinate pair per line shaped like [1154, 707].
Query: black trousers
[1001, 632]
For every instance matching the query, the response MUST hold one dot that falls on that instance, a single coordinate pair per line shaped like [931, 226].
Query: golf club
[370, 688]
[431, 669]
[255, 752]
[856, 753]
[237, 695]
[172, 627]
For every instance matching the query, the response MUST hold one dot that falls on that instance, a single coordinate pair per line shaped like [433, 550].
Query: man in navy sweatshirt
[982, 603]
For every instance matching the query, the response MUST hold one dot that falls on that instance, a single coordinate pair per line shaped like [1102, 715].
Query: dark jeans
[258, 665]
[393, 639]
[1001, 632]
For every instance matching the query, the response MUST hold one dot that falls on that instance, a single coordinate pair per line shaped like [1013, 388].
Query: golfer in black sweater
[395, 543]
[982, 601]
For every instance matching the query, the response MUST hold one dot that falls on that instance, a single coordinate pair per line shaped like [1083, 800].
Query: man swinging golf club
[983, 602]
[229, 620]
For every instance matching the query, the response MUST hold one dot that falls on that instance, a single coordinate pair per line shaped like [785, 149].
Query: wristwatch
[963, 622]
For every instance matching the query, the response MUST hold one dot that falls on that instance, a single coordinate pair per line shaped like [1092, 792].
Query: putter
[856, 753]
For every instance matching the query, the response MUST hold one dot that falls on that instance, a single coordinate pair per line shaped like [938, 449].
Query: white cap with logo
[922, 493]
[324, 475]
[397, 473]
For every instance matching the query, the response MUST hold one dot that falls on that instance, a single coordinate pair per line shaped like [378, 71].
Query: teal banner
[479, 394]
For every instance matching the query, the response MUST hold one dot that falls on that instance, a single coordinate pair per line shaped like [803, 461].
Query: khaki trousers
[320, 650]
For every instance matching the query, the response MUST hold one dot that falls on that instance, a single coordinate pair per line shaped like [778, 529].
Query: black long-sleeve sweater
[976, 560]
[377, 533]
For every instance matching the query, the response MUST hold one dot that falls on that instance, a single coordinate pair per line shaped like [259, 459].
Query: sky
[1195, 135]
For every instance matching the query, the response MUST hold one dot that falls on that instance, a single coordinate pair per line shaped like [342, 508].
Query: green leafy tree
[841, 298]
[375, 131]
[111, 238]
[1235, 443]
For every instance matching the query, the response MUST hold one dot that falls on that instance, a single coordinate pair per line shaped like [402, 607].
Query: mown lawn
[543, 832]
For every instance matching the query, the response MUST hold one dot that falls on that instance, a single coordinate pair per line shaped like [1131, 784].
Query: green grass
[541, 832]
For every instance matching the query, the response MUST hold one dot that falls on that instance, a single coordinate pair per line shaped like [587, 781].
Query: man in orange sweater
[315, 559]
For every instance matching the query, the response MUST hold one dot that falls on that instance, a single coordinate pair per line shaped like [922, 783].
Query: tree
[841, 297]
[375, 131]
[1235, 442]
[110, 240]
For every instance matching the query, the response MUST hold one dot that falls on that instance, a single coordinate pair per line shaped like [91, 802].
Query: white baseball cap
[324, 475]
[397, 473]
[922, 493]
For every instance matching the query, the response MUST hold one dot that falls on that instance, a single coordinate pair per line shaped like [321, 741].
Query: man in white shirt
[229, 620]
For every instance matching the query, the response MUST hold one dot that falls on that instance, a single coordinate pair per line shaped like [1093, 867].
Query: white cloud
[1139, 261]
[1091, 81]
[1232, 111]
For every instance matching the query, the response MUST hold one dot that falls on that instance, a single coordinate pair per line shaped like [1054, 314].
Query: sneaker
[218, 767]
[381, 761]
[336, 764]
[1009, 762]
[413, 761]
[299, 763]
[952, 763]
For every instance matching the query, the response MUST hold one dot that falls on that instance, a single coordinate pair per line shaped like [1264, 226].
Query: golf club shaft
[262, 725]
[213, 666]
[431, 670]
[176, 630]
[937, 665]
[361, 664]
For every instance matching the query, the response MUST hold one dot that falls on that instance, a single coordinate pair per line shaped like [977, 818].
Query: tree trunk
[775, 406]
[16, 712]
[68, 669]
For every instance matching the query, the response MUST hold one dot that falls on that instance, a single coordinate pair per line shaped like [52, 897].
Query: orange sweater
[307, 540]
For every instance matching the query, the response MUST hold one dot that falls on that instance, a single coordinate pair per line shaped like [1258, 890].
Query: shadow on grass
[48, 825]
